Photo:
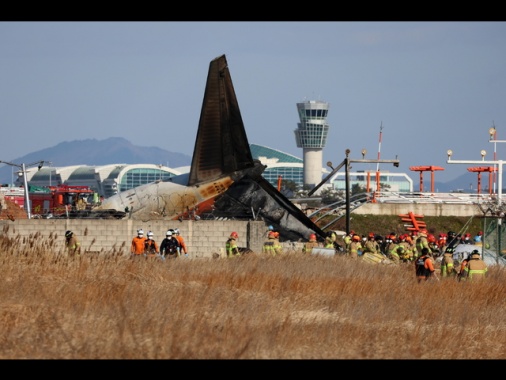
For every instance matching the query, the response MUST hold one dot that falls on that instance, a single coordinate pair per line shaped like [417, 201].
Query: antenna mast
[378, 165]
[379, 147]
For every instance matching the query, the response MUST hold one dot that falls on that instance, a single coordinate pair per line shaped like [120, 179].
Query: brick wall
[203, 238]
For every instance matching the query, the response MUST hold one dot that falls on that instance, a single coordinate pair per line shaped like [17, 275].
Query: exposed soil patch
[10, 210]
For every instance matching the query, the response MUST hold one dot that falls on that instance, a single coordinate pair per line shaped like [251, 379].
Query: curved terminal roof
[107, 180]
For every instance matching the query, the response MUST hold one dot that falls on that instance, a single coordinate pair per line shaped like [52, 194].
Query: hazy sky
[432, 85]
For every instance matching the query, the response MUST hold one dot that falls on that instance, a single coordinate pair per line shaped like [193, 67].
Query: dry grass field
[254, 307]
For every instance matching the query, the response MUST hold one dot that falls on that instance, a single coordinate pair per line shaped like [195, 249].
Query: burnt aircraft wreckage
[224, 179]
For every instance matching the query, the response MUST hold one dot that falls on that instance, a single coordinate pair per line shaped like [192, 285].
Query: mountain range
[93, 152]
[118, 150]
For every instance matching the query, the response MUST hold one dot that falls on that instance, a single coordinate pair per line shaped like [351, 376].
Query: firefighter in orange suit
[151, 246]
[183, 250]
[424, 267]
[137, 247]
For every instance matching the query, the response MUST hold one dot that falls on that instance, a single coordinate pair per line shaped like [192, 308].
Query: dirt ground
[10, 210]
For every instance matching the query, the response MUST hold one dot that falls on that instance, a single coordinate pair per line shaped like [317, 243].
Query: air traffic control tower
[311, 136]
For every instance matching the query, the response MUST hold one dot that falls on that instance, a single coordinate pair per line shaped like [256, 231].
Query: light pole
[499, 164]
[347, 179]
[346, 163]
[50, 172]
[493, 138]
[25, 181]
[483, 153]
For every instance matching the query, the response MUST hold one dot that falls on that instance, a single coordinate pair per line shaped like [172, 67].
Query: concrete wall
[203, 238]
[427, 209]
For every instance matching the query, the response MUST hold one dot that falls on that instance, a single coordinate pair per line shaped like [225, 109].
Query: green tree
[330, 195]
[357, 189]
[288, 188]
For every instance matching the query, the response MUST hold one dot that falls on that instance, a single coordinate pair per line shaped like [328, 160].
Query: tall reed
[295, 306]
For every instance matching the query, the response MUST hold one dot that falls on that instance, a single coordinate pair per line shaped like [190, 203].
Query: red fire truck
[59, 200]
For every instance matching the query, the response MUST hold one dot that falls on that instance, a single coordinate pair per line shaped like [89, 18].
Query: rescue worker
[355, 246]
[80, 205]
[329, 241]
[424, 267]
[137, 246]
[404, 248]
[381, 244]
[452, 239]
[441, 242]
[411, 250]
[307, 248]
[169, 248]
[347, 241]
[371, 245]
[414, 236]
[72, 244]
[431, 239]
[477, 238]
[447, 264]
[422, 242]
[269, 229]
[182, 245]
[475, 269]
[395, 250]
[461, 272]
[271, 245]
[150, 246]
[466, 239]
[334, 237]
[231, 247]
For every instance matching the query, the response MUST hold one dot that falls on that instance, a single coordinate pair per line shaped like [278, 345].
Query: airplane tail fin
[221, 145]
[222, 149]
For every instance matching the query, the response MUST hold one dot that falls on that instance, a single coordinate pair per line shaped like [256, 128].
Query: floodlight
[491, 132]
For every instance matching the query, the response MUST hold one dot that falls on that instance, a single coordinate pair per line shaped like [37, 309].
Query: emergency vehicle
[53, 200]
[59, 200]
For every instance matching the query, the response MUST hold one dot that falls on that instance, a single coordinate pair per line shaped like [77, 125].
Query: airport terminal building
[105, 180]
[108, 180]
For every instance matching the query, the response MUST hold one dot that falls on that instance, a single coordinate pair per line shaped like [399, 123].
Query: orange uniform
[424, 267]
[137, 247]
[150, 246]
[183, 249]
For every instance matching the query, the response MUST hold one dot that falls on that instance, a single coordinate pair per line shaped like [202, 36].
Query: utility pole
[25, 181]
[362, 161]
[499, 164]
[346, 163]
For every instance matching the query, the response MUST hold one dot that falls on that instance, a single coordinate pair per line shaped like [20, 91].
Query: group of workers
[271, 245]
[172, 246]
[419, 247]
